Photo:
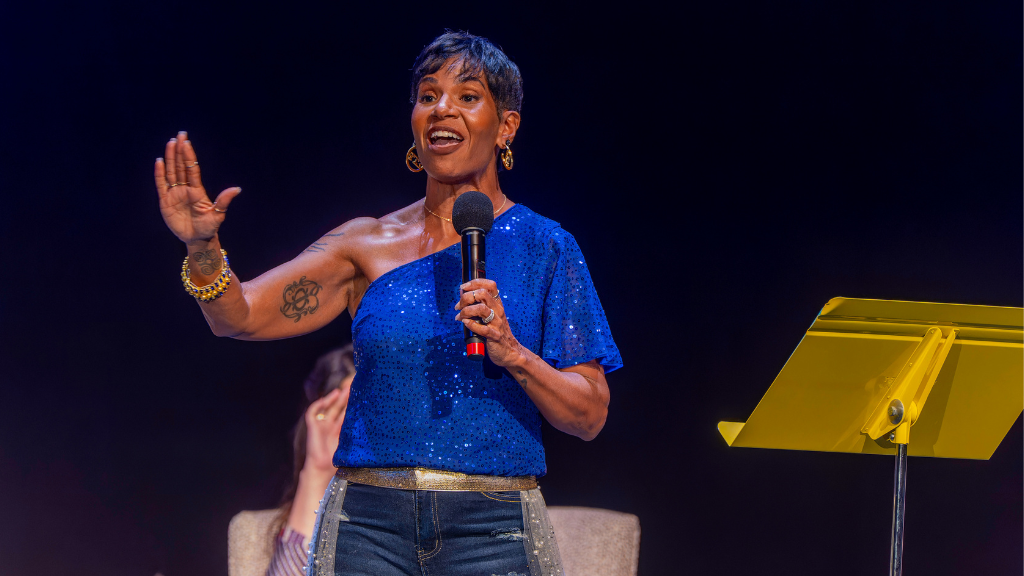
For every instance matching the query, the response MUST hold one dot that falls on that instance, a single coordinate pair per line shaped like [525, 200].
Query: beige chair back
[250, 542]
[595, 541]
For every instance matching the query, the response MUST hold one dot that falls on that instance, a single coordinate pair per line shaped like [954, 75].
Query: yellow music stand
[867, 371]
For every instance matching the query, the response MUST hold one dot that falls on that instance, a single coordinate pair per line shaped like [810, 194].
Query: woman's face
[456, 126]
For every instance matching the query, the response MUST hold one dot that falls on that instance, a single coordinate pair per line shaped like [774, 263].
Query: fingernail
[160, 159]
[189, 142]
[182, 133]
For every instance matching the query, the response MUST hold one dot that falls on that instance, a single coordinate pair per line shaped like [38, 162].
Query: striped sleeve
[289, 554]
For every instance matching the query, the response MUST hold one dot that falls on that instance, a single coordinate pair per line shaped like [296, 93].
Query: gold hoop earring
[506, 155]
[412, 161]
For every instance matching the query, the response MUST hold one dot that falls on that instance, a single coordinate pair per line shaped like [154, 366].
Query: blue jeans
[373, 531]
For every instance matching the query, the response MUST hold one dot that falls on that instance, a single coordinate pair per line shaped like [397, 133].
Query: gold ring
[169, 186]
[192, 164]
[321, 416]
[221, 211]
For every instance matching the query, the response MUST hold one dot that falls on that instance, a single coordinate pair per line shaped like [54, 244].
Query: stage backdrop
[726, 168]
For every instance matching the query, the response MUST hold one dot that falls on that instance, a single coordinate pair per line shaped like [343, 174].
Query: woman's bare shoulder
[344, 237]
[359, 234]
[403, 219]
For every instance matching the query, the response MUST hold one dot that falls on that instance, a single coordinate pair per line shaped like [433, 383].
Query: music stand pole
[898, 507]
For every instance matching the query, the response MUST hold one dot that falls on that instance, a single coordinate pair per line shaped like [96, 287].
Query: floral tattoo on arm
[300, 298]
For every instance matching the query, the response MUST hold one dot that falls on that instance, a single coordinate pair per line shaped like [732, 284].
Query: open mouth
[441, 137]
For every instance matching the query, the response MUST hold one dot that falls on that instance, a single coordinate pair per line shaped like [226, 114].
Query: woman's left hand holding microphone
[482, 311]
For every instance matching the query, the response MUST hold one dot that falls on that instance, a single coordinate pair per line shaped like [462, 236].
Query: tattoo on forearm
[300, 298]
[320, 245]
[521, 378]
[208, 261]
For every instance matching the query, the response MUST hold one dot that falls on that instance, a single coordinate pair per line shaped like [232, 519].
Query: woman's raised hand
[324, 418]
[186, 208]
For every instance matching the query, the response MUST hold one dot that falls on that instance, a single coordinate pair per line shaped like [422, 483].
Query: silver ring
[192, 164]
[489, 319]
[169, 186]
[221, 211]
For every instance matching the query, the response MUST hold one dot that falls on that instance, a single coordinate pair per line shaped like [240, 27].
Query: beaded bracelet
[211, 291]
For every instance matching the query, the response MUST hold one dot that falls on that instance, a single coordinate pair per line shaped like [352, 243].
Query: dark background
[726, 167]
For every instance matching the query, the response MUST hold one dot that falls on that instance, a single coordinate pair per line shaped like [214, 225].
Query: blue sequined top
[418, 401]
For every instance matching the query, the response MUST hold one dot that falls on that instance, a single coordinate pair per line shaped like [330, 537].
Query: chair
[249, 545]
[592, 541]
[595, 541]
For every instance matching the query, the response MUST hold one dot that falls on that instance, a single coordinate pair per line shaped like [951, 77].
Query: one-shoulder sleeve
[575, 327]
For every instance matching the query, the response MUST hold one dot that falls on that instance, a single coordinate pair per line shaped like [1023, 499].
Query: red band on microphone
[475, 348]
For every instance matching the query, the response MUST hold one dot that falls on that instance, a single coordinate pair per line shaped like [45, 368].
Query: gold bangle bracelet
[213, 290]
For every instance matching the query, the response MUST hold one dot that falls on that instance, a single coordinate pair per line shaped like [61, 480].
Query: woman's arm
[322, 421]
[292, 299]
[295, 298]
[573, 400]
[323, 427]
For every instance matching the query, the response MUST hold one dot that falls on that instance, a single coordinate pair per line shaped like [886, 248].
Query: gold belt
[426, 479]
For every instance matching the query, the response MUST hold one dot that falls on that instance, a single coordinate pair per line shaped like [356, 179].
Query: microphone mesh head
[473, 210]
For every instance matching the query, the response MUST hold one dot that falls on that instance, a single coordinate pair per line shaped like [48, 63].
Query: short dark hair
[477, 55]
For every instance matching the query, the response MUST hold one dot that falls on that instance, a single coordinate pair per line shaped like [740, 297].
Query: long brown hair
[328, 373]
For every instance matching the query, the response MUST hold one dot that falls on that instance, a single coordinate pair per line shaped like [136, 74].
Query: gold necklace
[449, 220]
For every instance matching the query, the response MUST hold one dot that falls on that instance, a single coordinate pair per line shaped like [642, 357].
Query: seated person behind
[314, 441]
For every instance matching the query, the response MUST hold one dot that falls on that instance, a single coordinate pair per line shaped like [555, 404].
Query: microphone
[473, 216]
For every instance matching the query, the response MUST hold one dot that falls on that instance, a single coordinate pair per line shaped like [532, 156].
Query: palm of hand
[188, 212]
[184, 204]
[324, 418]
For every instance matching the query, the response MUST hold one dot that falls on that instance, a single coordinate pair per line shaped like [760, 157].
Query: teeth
[444, 134]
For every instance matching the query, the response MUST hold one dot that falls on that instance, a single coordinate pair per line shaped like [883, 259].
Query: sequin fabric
[418, 401]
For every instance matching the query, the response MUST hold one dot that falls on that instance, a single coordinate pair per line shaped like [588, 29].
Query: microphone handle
[473, 266]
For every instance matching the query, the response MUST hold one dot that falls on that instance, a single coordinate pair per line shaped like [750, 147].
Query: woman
[314, 442]
[437, 464]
